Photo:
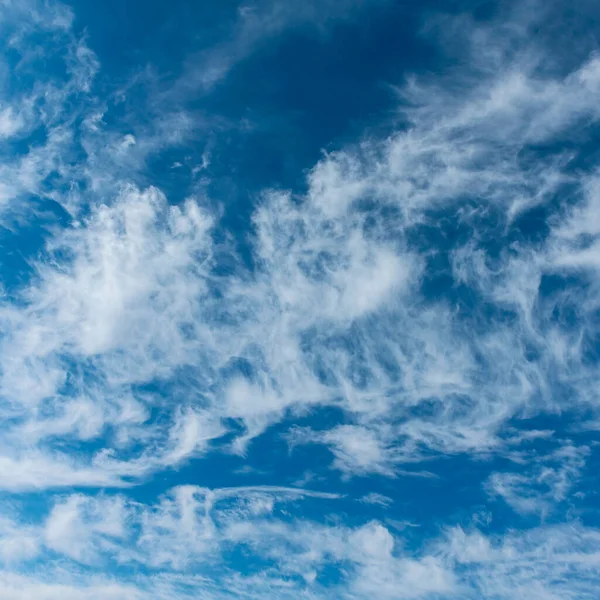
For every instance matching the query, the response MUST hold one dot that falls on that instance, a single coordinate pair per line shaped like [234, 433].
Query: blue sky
[299, 300]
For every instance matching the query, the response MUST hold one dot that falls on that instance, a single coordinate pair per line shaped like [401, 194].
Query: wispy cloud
[404, 292]
[549, 484]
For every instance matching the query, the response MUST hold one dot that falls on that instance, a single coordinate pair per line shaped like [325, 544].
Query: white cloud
[550, 482]
[125, 262]
[121, 357]
[183, 539]
[39, 470]
[18, 542]
[78, 528]
[375, 498]
[191, 433]
[543, 563]
[131, 268]
[332, 315]
[358, 450]
[20, 587]
[10, 123]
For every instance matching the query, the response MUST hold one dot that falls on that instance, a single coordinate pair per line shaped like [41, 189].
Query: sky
[299, 300]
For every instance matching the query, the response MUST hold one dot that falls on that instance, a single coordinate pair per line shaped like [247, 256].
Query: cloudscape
[299, 299]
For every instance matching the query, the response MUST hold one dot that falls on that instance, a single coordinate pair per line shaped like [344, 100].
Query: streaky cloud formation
[378, 380]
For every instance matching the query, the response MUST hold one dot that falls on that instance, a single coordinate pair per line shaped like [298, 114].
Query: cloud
[187, 534]
[356, 449]
[254, 24]
[37, 470]
[548, 485]
[19, 542]
[334, 313]
[404, 292]
[375, 498]
[75, 527]
[10, 123]
[544, 563]
[41, 105]
[96, 309]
